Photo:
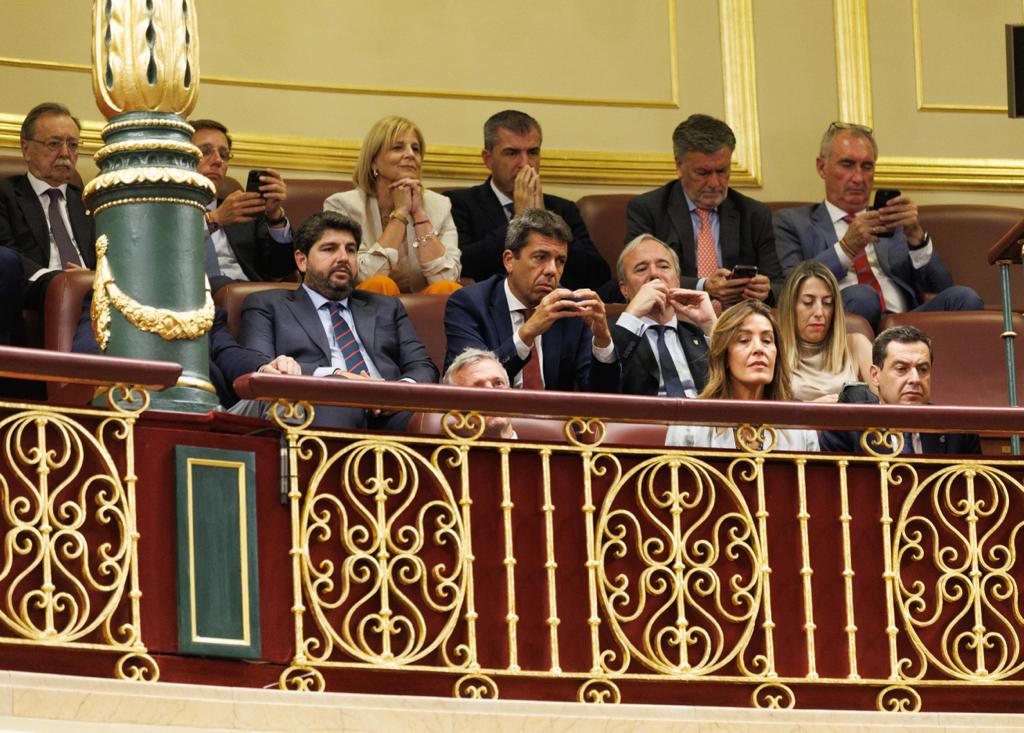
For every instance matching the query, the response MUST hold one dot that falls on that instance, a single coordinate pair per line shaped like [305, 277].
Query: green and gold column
[150, 297]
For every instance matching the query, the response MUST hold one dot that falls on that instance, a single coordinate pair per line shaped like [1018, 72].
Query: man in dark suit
[248, 236]
[43, 223]
[546, 336]
[711, 227]
[884, 259]
[901, 374]
[662, 336]
[331, 329]
[511, 152]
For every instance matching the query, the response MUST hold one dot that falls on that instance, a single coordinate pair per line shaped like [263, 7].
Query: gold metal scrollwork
[756, 438]
[130, 176]
[384, 559]
[899, 699]
[599, 692]
[301, 679]
[955, 553]
[773, 696]
[169, 325]
[475, 687]
[683, 524]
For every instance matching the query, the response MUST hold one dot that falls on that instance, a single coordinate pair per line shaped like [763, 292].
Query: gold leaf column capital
[145, 56]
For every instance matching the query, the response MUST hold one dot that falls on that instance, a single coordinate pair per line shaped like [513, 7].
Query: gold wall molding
[606, 168]
[924, 106]
[853, 63]
[854, 91]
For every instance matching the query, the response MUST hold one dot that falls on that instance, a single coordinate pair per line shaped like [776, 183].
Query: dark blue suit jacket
[744, 231]
[848, 441]
[477, 316]
[482, 228]
[807, 233]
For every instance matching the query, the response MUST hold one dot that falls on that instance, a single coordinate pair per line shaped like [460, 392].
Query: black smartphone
[882, 196]
[253, 182]
[743, 271]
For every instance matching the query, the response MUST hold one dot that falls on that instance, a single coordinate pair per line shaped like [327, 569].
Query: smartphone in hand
[882, 197]
[253, 182]
[743, 271]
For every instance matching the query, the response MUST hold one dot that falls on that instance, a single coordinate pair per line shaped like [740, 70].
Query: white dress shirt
[605, 355]
[895, 299]
[41, 187]
[643, 327]
[226, 260]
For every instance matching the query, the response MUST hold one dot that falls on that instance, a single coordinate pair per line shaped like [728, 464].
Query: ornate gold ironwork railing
[69, 565]
[616, 566]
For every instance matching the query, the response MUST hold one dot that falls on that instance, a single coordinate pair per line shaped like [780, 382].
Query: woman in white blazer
[409, 241]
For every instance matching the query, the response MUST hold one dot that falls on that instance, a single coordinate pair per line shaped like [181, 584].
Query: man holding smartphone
[881, 255]
[248, 236]
[712, 228]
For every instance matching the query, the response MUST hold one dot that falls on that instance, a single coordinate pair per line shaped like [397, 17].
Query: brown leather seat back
[64, 297]
[605, 217]
[859, 324]
[963, 234]
[969, 366]
[232, 297]
[306, 196]
[426, 311]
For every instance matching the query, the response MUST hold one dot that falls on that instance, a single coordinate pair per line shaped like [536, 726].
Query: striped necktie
[865, 275]
[346, 340]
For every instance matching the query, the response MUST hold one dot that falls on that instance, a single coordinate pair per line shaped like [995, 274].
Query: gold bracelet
[404, 218]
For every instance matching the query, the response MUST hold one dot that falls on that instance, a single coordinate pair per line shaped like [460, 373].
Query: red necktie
[532, 378]
[865, 275]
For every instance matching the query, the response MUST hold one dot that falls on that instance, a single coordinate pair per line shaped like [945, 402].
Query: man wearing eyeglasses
[248, 236]
[884, 260]
[43, 225]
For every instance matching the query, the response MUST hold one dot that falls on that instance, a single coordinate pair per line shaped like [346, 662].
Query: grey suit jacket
[807, 233]
[284, 322]
[744, 233]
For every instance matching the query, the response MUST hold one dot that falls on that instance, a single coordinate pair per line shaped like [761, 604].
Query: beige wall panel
[946, 75]
[597, 74]
[796, 77]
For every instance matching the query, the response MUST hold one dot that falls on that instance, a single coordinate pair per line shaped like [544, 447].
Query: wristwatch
[925, 241]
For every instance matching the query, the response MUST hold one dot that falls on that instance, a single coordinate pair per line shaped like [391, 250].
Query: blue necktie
[510, 211]
[346, 340]
[673, 385]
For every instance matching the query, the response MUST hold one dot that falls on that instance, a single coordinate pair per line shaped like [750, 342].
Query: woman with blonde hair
[820, 353]
[746, 361]
[409, 240]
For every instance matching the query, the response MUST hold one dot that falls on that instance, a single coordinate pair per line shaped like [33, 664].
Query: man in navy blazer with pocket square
[546, 336]
[331, 329]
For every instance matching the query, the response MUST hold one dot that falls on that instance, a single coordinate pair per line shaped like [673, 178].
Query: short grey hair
[849, 128]
[620, 264]
[516, 122]
[701, 134]
[467, 358]
[543, 222]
